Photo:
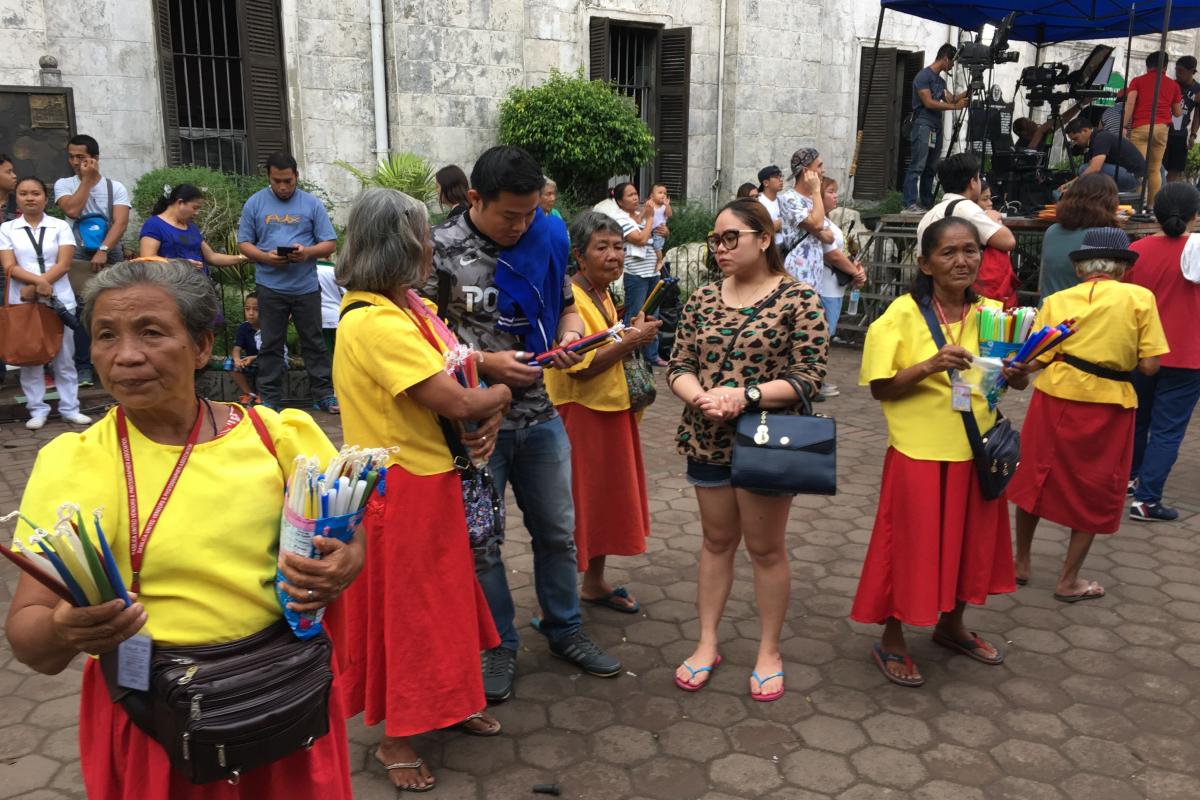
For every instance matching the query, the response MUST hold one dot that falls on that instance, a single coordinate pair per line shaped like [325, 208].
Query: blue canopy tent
[1043, 22]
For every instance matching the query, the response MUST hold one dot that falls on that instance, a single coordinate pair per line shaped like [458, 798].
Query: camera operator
[1138, 112]
[929, 100]
[1105, 153]
[1032, 136]
[1182, 134]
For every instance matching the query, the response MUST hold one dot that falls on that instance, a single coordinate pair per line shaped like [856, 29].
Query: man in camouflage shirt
[532, 452]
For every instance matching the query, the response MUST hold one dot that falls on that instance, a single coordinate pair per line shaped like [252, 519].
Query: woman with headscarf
[802, 214]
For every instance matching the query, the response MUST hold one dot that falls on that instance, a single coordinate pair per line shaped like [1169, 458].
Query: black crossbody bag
[787, 453]
[997, 452]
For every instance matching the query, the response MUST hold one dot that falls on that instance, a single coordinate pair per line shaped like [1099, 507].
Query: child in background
[658, 204]
[247, 341]
[837, 262]
[985, 195]
[331, 301]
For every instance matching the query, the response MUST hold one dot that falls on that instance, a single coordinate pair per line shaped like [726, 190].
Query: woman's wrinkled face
[141, 348]
[603, 260]
[953, 262]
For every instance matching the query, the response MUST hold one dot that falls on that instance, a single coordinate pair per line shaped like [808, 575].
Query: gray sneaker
[581, 650]
[499, 671]
[915, 208]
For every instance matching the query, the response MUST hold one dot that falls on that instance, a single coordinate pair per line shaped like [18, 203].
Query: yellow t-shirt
[607, 391]
[1117, 324]
[380, 354]
[922, 424]
[208, 571]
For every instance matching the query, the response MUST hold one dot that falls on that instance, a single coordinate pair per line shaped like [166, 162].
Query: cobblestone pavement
[1099, 700]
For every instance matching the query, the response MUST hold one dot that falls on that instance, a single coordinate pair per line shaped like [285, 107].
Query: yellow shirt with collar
[607, 391]
[208, 570]
[380, 355]
[1116, 325]
[922, 424]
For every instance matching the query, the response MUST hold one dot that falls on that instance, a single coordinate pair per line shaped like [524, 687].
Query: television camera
[978, 57]
[1041, 81]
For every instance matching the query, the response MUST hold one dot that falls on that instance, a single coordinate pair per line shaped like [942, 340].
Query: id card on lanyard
[134, 654]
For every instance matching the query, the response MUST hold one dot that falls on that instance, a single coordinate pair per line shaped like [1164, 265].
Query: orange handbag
[30, 333]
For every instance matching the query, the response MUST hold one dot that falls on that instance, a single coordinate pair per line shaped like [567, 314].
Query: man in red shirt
[1139, 99]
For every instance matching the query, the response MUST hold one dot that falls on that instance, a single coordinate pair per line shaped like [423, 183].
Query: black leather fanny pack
[222, 710]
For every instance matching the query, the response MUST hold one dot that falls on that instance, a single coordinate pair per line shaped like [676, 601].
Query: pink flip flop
[687, 686]
[766, 698]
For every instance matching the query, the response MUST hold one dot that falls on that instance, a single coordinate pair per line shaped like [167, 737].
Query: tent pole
[866, 101]
[1121, 126]
[1162, 48]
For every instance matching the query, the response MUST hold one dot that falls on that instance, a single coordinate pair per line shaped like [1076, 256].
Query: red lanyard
[942, 319]
[137, 541]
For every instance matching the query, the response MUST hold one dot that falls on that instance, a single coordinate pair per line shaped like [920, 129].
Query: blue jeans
[636, 291]
[923, 165]
[537, 460]
[1165, 404]
[1126, 183]
[833, 312]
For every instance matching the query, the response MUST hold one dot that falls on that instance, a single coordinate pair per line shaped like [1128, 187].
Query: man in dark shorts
[1182, 134]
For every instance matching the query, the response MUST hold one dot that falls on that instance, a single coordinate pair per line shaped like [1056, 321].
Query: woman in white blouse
[641, 264]
[35, 253]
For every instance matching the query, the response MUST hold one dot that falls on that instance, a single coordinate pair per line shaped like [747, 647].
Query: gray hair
[385, 242]
[549, 184]
[1101, 266]
[188, 287]
[587, 224]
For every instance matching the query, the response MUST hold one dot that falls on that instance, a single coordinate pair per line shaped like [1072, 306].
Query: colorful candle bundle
[326, 503]
[66, 561]
[1002, 332]
[655, 298]
[1038, 344]
[581, 346]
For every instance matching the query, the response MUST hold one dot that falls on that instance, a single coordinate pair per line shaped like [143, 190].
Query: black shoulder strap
[935, 330]
[950, 207]
[759, 306]
[108, 184]
[443, 295]
[1099, 370]
[37, 247]
[462, 460]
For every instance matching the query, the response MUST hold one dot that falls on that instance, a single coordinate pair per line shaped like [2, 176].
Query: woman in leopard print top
[780, 349]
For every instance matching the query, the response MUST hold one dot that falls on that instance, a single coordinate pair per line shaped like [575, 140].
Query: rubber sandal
[420, 762]
[766, 698]
[1022, 581]
[467, 729]
[969, 647]
[881, 659]
[1086, 594]
[607, 601]
[695, 687]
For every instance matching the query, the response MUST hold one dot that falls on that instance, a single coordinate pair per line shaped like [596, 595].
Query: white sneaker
[77, 419]
[35, 423]
[829, 390]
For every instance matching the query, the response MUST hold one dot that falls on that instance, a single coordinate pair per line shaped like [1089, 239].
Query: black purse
[222, 710]
[997, 452]
[785, 453]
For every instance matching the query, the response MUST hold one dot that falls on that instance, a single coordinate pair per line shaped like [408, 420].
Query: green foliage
[691, 223]
[406, 172]
[583, 132]
[1193, 163]
[891, 203]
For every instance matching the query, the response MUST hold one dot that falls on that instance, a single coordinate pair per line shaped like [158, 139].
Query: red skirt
[936, 542]
[120, 762]
[409, 630]
[608, 480]
[1075, 460]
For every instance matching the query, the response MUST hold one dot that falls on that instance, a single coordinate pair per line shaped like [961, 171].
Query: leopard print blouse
[786, 338]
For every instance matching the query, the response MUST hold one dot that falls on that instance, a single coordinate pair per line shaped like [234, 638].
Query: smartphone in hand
[285, 250]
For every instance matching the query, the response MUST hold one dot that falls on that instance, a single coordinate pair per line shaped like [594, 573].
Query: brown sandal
[493, 729]
[413, 765]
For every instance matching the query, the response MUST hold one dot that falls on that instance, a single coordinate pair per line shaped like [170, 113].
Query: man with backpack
[99, 209]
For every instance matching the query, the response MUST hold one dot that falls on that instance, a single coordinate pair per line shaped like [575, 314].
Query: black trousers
[274, 311]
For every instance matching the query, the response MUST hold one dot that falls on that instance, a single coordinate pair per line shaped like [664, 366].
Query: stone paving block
[962, 764]
[668, 778]
[694, 741]
[888, 766]
[1030, 760]
[623, 745]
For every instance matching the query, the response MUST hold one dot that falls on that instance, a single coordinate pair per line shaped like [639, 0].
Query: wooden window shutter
[674, 82]
[877, 155]
[265, 87]
[166, 76]
[598, 49]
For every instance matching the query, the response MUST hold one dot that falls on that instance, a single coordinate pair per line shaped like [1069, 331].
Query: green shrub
[691, 223]
[583, 132]
[1193, 163]
[407, 172]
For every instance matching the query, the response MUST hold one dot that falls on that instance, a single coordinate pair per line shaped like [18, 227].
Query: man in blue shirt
[284, 230]
[929, 100]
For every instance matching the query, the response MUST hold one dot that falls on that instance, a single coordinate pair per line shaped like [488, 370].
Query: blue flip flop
[687, 686]
[608, 602]
[768, 696]
[882, 657]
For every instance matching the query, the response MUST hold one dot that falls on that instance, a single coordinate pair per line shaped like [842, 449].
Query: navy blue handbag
[785, 453]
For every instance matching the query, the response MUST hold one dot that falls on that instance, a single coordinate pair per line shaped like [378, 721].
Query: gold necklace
[738, 296]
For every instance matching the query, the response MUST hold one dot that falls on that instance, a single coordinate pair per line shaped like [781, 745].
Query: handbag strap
[37, 247]
[458, 451]
[1092, 368]
[969, 422]
[759, 306]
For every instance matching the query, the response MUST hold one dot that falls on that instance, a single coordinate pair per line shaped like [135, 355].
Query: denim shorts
[658, 242]
[704, 475]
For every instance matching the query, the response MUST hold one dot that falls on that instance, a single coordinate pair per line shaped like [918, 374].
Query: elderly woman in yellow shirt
[608, 480]
[1077, 440]
[206, 576]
